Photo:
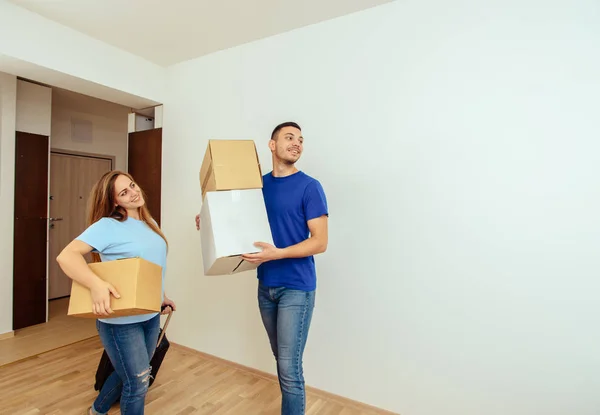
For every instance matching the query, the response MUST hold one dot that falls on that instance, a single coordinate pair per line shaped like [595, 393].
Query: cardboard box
[139, 282]
[230, 165]
[231, 222]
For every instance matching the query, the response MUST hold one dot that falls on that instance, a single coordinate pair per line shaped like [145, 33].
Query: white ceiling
[171, 31]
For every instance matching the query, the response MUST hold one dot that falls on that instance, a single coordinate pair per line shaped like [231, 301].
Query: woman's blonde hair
[103, 204]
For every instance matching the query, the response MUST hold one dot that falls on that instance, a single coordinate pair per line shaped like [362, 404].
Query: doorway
[72, 176]
[54, 173]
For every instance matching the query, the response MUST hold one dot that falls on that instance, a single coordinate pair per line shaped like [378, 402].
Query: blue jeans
[130, 348]
[286, 315]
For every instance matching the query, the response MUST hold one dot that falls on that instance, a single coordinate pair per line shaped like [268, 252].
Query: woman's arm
[73, 264]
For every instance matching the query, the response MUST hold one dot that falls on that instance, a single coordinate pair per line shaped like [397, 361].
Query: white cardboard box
[231, 221]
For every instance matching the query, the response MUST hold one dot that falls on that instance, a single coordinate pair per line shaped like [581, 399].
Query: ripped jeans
[286, 315]
[130, 348]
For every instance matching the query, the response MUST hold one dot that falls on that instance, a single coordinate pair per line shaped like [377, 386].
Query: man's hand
[198, 222]
[268, 253]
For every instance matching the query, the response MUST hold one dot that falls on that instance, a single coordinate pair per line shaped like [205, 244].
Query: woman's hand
[198, 222]
[168, 303]
[101, 292]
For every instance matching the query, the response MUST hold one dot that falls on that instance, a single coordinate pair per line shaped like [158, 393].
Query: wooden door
[30, 232]
[71, 180]
[144, 164]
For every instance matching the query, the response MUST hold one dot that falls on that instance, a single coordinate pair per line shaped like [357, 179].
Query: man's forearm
[306, 248]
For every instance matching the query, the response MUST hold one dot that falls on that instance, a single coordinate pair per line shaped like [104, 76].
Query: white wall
[457, 143]
[8, 110]
[108, 125]
[34, 108]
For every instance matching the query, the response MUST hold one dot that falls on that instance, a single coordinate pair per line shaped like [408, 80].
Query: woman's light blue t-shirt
[128, 239]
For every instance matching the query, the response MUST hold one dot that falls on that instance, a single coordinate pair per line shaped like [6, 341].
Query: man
[298, 214]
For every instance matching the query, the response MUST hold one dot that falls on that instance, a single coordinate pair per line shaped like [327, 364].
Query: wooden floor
[49, 369]
[60, 382]
[61, 330]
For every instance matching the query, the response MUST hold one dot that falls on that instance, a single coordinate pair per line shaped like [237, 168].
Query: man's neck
[283, 170]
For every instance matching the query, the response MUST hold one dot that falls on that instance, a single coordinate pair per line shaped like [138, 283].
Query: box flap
[233, 152]
[230, 265]
[206, 168]
[245, 266]
[229, 165]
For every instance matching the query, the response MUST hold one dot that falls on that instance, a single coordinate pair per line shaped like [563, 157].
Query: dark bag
[105, 367]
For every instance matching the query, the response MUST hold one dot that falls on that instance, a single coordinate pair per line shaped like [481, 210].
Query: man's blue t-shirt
[291, 202]
[128, 239]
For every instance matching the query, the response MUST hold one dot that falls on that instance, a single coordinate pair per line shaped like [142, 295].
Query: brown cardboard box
[139, 282]
[230, 165]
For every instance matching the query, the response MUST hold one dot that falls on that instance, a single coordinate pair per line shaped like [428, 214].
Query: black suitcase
[105, 367]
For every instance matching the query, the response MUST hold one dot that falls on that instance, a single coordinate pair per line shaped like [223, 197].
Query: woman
[120, 226]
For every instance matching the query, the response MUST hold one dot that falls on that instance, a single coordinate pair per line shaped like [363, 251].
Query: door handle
[54, 219]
